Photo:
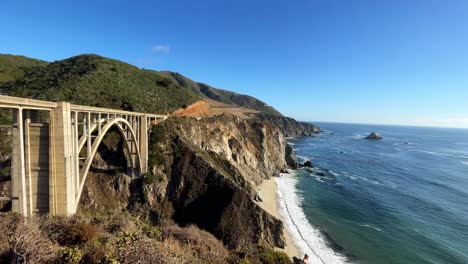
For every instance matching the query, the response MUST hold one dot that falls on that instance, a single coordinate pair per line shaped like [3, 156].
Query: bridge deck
[33, 104]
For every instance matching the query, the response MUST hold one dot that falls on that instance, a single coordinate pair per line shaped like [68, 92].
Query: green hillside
[222, 95]
[13, 67]
[98, 81]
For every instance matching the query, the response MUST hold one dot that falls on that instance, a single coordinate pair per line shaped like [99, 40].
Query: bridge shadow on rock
[108, 187]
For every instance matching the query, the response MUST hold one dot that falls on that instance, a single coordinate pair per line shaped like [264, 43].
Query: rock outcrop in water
[374, 136]
[308, 164]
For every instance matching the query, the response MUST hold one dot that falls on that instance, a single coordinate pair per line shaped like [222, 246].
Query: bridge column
[143, 144]
[18, 170]
[62, 185]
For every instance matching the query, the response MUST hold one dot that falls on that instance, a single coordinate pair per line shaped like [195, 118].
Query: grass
[14, 67]
[98, 81]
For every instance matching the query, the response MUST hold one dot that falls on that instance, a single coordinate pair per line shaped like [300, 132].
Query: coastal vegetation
[197, 203]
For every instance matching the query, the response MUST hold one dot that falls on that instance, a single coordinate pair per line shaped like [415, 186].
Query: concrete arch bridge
[51, 160]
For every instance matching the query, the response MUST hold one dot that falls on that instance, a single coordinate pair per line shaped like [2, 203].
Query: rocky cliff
[207, 170]
[289, 126]
[204, 172]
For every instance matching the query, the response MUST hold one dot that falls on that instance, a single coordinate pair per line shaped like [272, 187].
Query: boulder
[374, 136]
[307, 164]
[321, 174]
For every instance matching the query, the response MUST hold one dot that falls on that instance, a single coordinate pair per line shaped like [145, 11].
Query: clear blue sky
[388, 61]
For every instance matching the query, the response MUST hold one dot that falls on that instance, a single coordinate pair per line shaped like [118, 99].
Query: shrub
[124, 239]
[149, 251]
[94, 252]
[77, 234]
[235, 259]
[150, 231]
[29, 244]
[108, 259]
[150, 178]
[201, 243]
[275, 257]
[71, 255]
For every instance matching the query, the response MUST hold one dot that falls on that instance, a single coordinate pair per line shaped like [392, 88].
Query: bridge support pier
[143, 144]
[18, 170]
[62, 158]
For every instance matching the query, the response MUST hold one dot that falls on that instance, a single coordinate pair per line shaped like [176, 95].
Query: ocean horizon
[398, 200]
[384, 125]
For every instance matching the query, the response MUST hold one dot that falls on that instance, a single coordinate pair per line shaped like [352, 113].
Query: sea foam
[307, 238]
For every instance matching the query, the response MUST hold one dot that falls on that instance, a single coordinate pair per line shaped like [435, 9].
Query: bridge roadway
[53, 152]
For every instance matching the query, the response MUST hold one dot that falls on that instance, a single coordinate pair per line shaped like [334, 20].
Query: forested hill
[13, 67]
[98, 81]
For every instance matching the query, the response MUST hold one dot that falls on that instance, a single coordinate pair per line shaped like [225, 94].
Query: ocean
[403, 199]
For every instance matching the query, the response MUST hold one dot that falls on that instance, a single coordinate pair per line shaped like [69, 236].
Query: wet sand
[267, 191]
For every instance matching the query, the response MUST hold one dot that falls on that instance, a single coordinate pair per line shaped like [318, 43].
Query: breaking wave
[308, 239]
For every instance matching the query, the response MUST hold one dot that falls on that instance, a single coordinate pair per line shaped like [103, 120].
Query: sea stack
[374, 136]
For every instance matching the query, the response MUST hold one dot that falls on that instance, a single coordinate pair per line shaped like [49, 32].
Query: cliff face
[289, 126]
[201, 193]
[207, 171]
[256, 149]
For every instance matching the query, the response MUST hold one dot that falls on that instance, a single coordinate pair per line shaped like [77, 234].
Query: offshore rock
[374, 136]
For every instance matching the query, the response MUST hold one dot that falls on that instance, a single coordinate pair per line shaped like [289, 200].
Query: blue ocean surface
[403, 199]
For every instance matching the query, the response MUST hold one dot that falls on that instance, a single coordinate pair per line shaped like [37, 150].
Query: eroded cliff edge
[204, 171]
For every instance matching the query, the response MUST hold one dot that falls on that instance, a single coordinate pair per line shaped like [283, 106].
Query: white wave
[303, 158]
[357, 136]
[318, 179]
[333, 173]
[348, 175]
[371, 226]
[465, 162]
[429, 152]
[371, 181]
[437, 153]
[292, 144]
[306, 238]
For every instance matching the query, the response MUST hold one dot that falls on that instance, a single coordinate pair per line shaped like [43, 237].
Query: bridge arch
[130, 145]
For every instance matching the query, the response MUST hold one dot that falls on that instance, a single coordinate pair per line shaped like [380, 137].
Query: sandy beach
[267, 191]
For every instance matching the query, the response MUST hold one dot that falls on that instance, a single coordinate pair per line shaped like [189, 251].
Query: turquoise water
[400, 200]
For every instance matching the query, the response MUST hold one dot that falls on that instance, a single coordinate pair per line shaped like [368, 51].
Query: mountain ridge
[100, 81]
